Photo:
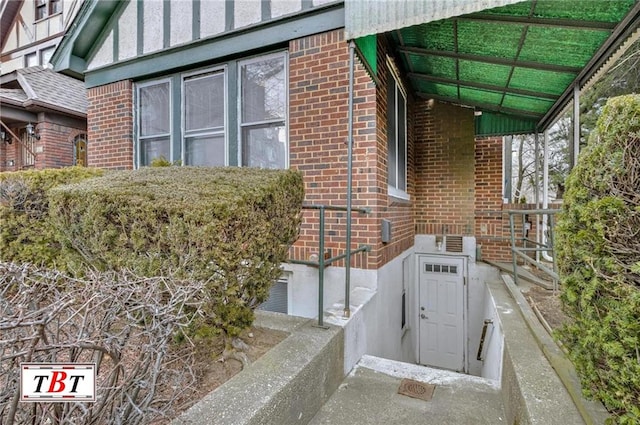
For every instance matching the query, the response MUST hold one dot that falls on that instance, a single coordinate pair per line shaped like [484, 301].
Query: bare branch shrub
[128, 326]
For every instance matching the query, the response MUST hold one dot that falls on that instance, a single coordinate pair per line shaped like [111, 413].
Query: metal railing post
[513, 248]
[321, 271]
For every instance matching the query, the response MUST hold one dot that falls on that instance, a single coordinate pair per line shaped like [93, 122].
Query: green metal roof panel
[584, 10]
[484, 73]
[494, 124]
[437, 89]
[562, 46]
[518, 60]
[434, 35]
[432, 65]
[527, 104]
[484, 39]
[476, 96]
[549, 82]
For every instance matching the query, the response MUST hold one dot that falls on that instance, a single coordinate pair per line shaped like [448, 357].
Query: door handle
[423, 316]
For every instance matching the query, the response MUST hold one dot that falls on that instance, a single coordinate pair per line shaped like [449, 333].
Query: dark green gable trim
[195, 29]
[228, 15]
[116, 42]
[266, 10]
[140, 29]
[70, 56]
[166, 23]
[210, 50]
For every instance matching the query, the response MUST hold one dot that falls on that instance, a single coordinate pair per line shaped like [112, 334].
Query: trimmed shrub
[598, 253]
[26, 235]
[228, 227]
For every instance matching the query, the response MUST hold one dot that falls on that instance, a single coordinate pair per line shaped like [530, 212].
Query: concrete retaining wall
[287, 385]
[531, 390]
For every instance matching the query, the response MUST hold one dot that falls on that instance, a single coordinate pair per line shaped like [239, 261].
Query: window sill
[398, 197]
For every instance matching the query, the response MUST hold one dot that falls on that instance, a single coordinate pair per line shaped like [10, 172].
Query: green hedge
[26, 235]
[598, 252]
[230, 227]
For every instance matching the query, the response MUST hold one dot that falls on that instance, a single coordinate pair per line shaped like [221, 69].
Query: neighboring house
[42, 113]
[435, 86]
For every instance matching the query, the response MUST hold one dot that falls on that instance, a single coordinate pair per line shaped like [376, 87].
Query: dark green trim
[176, 117]
[195, 20]
[229, 14]
[140, 28]
[216, 49]
[232, 104]
[109, 29]
[265, 10]
[116, 42]
[166, 23]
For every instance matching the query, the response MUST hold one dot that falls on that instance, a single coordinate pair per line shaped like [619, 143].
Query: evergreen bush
[26, 235]
[229, 227]
[598, 253]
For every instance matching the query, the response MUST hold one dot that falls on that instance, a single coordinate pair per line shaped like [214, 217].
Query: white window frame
[137, 117]
[396, 191]
[195, 133]
[285, 55]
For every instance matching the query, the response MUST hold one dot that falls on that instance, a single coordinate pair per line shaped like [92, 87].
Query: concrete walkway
[369, 395]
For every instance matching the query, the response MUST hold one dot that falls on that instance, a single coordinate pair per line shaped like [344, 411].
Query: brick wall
[318, 99]
[492, 225]
[55, 147]
[445, 163]
[318, 107]
[110, 132]
[399, 211]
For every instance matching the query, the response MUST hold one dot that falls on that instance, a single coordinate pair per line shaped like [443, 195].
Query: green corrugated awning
[517, 63]
[367, 47]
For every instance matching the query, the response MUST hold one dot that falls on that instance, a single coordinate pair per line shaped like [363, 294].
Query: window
[397, 138]
[45, 55]
[30, 59]
[204, 119]
[46, 8]
[263, 112]
[210, 127]
[155, 121]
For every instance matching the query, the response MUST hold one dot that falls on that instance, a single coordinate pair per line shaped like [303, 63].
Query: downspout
[536, 179]
[347, 277]
[576, 126]
[545, 192]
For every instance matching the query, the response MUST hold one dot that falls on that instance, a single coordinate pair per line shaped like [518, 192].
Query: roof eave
[86, 26]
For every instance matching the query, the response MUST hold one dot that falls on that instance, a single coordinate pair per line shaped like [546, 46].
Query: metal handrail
[323, 262]
[540, 247]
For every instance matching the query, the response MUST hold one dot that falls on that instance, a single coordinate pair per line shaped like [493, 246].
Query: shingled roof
[38, 87]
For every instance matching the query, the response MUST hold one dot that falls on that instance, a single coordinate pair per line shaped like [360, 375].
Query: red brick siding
[318, 108]
[399, 212]
[110, 118]
[492, 225]
[55, 147]
[318, 99]
[53, 150]
[445, 189]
